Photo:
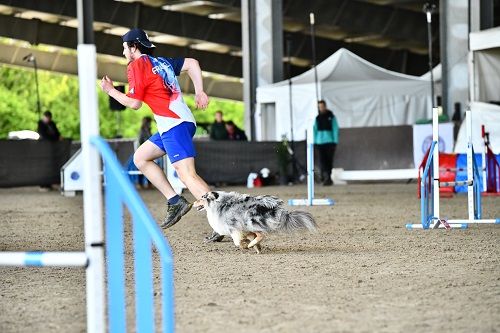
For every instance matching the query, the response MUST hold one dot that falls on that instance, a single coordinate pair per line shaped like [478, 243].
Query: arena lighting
[213, 47]
[32, 59]
[184, 5]
[361, 38]
[219, 16]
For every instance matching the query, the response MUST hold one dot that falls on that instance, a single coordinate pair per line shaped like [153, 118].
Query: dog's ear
[216, 195]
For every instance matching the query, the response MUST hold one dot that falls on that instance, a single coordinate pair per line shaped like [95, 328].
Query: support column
[474, 15]
[454, 50]
[262, 37]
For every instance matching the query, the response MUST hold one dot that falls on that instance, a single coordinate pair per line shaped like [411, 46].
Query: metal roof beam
[36, 32]
[67, 64]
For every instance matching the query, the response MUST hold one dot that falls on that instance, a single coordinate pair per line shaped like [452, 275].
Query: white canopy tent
[360, 94]
[484, 63]
[484, 66]
[482, 114]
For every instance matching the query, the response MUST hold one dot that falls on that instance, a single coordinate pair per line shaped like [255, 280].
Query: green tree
[59, 94]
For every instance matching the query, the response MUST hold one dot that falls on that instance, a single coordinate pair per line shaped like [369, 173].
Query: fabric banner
[422, 140]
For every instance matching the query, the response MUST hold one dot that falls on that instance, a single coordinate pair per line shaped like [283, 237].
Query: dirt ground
[362, 272]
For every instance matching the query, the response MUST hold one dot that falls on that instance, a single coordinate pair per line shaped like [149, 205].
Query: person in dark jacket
[145, 131]
[47, 128]
[218, 128]
[326, 137]
[234, 133]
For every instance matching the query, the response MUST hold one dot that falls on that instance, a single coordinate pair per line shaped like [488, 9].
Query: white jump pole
[435, 163]
[92, 196]
[470, 166]
[310, 201]
[310, 166]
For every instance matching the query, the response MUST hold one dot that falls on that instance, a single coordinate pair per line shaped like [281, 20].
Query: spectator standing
[326, 138]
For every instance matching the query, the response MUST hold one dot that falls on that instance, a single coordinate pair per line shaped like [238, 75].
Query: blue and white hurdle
[310, 200]
[44, 259]
[118, 192]
[430, 183]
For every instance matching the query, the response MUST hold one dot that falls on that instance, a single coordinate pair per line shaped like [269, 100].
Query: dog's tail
[297, 220]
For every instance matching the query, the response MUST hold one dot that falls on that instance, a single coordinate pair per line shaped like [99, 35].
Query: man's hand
[108, 87]
[201, 100]
[106, 84]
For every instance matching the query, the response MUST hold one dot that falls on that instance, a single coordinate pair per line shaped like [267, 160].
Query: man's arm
[194, 71]
[123, 99]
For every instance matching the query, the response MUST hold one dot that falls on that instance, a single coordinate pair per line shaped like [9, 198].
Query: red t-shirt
[149, 87]
[157, 86]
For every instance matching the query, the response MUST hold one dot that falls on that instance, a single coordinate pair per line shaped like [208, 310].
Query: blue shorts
[177, 142]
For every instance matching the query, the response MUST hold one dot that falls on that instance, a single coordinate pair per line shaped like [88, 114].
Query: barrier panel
[462, 172]
[492, 172]
[32, 162]
[447, 171]
[426, 189]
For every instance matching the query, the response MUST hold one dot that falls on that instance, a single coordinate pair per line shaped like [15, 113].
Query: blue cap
[138, 35]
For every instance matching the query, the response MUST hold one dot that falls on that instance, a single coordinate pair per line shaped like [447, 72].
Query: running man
[153, 80]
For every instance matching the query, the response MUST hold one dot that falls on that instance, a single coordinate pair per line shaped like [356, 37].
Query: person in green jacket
[326, 138]
[218, 129]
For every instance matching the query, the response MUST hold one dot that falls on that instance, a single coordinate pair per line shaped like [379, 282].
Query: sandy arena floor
[363, 272]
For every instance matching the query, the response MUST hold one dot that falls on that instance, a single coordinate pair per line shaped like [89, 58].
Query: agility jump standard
[118, 192]
[429, 187]
[311, 201]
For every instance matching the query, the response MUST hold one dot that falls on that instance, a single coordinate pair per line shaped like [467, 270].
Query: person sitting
[234, 133]
[47, 128]
[218, 128]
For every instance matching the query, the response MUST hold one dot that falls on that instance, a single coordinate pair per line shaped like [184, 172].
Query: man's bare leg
[144, 160]
[187, 173]
[197, 186]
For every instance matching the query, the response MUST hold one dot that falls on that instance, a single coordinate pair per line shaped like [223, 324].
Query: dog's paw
[199, 204]
[244, 244]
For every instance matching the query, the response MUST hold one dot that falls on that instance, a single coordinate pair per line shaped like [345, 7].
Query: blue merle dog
[246, 218]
